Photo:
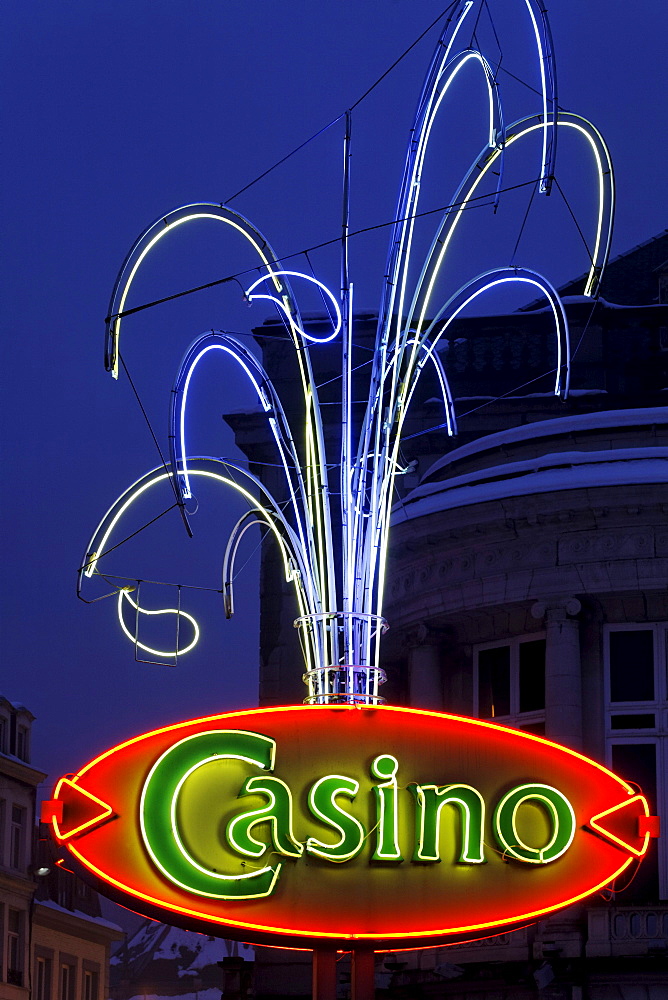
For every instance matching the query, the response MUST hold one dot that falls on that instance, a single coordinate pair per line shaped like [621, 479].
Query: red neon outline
[618, 840]
[106, 810]
[305, 932]
[358, 708]
[385, 935]
[51, 809]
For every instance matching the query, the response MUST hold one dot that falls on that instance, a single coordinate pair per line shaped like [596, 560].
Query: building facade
[54, 942]
[527, 584]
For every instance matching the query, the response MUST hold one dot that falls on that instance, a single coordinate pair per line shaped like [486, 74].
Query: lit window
[510, 683]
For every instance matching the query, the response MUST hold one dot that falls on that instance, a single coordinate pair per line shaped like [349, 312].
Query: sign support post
[324, 974]
[362, 974]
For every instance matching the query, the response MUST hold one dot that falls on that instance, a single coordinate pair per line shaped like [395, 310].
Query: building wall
[18, 783]
[38, 935]
[533, 567]
[70, 956]
[533, 545]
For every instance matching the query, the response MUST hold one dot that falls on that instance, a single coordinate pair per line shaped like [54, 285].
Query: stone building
[527, 584]
[54, 942]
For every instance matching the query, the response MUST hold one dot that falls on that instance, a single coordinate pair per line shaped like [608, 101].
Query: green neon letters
[540, 808]
[322, 803]
[158, 821]
[430, 800]
[387, 819]
[278, 812]
[560, 813]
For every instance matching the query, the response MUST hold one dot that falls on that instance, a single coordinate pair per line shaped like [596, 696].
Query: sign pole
[362, 974]
[324, 974]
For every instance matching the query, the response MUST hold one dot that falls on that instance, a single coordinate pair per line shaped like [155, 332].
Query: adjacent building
[54, 942]
[528, 584]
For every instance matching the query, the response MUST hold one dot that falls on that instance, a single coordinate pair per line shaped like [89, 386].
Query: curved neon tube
[479, 170]
[522, 276]
[264, 402]
[158, 475]
[294, 326]
[428, 354]
[547, 162]
[296, 571]
[305, 532]
[148, 239]
[270, 403]
[128, 271]
[124, 595]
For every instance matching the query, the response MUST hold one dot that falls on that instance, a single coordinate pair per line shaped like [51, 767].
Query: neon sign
[342, 823]
[336, 559]
[343, 820]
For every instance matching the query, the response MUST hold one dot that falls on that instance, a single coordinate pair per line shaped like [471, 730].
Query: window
[631, 659]
[3, 813]
[42, 978]
[67, 980]
[17, 837]
[4, 734]
[65, 892]
[22, 749]
[90, 984]
[636, 690]
[14, 947]
[510, 683]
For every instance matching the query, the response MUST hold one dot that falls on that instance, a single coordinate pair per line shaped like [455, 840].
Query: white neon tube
[298, 329]
[124, 595]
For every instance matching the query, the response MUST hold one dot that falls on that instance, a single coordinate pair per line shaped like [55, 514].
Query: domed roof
[610, 448]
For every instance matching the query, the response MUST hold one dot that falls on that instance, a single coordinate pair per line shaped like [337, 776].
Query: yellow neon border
[618, 840]
[107, 810]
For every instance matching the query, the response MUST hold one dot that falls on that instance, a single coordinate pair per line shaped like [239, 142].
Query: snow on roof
[16, 705]
[192, 950]
[99, 921]
[553, 427]
[546, 474]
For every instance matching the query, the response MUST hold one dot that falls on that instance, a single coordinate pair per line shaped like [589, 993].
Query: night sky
[117, 112]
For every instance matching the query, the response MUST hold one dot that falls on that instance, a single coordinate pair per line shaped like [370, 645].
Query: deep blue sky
[116, 112]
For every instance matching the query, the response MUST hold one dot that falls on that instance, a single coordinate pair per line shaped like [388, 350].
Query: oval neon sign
[308, 825]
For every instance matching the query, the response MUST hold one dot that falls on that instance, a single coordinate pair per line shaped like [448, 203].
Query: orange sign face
[311, 825]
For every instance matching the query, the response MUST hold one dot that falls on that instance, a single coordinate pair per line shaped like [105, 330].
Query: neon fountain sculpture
[339, 574]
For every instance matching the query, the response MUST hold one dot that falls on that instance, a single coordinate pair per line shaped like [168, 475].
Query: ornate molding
[558, 609]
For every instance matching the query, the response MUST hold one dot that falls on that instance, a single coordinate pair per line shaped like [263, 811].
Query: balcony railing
[627, 930]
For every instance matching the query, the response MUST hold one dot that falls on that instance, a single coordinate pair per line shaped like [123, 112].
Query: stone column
[563, 678]
[425, 684]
